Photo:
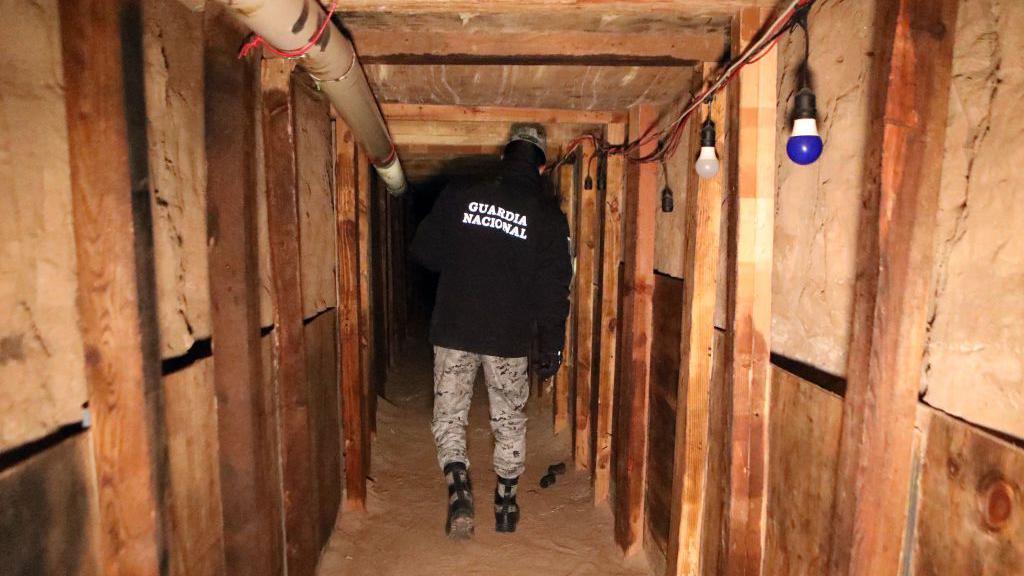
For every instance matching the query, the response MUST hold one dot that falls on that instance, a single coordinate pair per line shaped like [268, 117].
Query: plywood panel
[322, 371]
[173, 43]
[41, 359]
[534, 86]
[314, 157]
[969, 518]
[48, 519]
[804, 435]
[665, 360]
[195, 540]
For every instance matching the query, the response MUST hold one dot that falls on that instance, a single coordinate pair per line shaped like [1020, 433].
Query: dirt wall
[42, 383]
[173, 45]
[975, 357]
[818, 206]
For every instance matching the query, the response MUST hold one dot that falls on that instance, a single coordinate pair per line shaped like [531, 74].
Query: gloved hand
[548, 364]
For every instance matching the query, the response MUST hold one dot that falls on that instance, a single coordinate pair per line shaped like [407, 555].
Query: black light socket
[707, 133]
[806, 104]
[667, 202]
[588, 183]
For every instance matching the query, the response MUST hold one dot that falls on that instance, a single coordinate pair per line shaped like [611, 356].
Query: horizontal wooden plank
[562, 46]
[48, 520]
[455, 113]
[432, 133]
[532, 86]
[695, 7]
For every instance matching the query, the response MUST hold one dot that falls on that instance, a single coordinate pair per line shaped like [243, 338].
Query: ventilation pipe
[290, 25]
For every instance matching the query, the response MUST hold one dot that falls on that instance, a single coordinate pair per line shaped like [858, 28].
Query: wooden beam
[690, 7]
[249, 465]
[455, 113]
[893, 287]
[300, 499]
[389, 46]
[124, 428]
[751, 276]
[564, 378]
[367, 324]
[587, 225]
[700, 271]
[611, 254]
[641, 202]
[463, 133]
[352, 398]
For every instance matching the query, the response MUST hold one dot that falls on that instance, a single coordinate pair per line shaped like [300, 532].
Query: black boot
[460, 501]
[506, 510]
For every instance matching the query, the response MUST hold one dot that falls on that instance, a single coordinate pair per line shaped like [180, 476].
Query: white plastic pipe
[290, 25]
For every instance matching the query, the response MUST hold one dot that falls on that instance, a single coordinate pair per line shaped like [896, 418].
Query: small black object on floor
[553, 471]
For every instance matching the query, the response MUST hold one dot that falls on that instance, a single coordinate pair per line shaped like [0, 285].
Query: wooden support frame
[700, 271]
[125, 422]
[893, 287]
[749, 344]
[249, 464]
[354, 426]
[297, 443]
[608, 327]
[641, 202]
[587, 225]
[563, 385]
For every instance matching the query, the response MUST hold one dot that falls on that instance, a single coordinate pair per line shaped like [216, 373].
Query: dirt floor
[561, 532]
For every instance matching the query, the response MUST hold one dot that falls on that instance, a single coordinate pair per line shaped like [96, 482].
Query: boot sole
[461, 528]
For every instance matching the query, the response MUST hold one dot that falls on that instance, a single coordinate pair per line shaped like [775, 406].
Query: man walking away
[502, 251]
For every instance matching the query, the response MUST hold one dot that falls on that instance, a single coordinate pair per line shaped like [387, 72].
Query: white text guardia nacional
[491, 216]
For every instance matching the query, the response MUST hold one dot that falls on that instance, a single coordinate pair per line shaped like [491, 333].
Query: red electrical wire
[670, 137]
[258, 40]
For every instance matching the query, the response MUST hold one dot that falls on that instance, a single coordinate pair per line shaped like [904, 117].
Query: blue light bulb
[804, 145]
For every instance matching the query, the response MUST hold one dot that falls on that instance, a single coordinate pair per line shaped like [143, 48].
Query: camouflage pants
[508, 388]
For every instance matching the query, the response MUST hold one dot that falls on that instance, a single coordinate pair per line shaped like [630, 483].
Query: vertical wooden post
[751, 292]
[367, 326]
[611, 254]
[300, 500]
[131, 542]
[587, 222]
[641, 203]
[349, 346]
[564, 378]
[250, 477]
[700, 271]
[893, 289]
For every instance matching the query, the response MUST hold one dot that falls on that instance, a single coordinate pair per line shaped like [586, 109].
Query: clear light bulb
[707, 162]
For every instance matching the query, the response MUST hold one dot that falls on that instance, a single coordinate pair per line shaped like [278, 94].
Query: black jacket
[502, 251]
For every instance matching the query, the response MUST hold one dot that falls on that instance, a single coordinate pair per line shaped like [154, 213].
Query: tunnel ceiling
[579, 54]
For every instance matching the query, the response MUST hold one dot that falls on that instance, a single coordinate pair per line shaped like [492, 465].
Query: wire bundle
[669, 137]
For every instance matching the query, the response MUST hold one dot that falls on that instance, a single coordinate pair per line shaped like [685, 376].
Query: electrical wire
[258, 40]
[670, 137]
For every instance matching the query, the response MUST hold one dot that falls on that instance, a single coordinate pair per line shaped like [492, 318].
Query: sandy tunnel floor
[560, 533]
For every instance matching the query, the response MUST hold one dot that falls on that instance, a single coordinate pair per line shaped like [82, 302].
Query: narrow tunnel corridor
[402, 532]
